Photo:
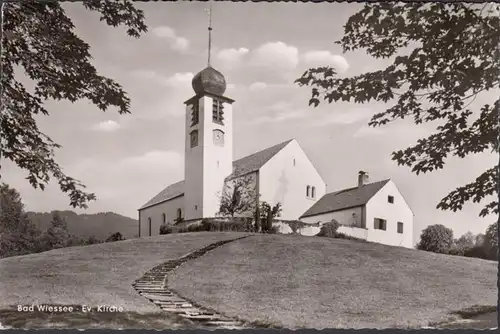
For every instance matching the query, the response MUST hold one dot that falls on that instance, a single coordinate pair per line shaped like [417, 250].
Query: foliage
[117, 236]
[39, 40]
[238, 197]
[268, 213]
[165, 229]
[56, 236]
[92, 240]
[329, 229]
[435, 82]
[18, 235]
[463, 244]
[491, 241]
[296, 225]
[436, 238]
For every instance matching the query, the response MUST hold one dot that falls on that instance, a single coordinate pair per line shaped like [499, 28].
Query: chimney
[362, 178]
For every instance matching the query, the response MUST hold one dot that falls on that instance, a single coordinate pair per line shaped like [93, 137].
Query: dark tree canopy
[39, 40]
[443, 55]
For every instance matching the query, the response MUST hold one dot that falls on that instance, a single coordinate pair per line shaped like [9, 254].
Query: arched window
[164, 218]
[149, 222]
[308, 190]
[194, 138]
[313, 192]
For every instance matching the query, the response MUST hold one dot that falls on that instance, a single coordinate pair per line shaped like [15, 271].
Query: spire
[209, 10]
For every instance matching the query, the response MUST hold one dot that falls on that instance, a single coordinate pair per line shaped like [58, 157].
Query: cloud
[367, 131]
[117, 179]
[280, 112]
[176, 42]
[153, 161]
[231, 57]
[106, 126]
[323, 58]
[343, 117]
[275, 55]
[180, 80]
[257, 86]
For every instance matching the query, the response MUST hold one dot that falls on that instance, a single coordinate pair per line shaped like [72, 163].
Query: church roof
[243, 166]
[344, 199]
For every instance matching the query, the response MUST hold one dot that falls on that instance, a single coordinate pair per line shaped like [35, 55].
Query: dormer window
[218, 112]
[195, 113]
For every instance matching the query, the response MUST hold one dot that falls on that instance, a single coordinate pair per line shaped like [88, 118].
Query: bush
[165, 229]
[436, 238]
[296, 225]
[478, 252]
[329, 229]
[117, 236]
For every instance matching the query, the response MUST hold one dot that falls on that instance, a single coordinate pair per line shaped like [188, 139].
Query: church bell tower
[209, 142]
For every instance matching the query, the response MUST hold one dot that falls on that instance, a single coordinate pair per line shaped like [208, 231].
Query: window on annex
[400, 227]
[379, 224]
[149, 223]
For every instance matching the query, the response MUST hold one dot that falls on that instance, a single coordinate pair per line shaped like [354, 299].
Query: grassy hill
[297, 281]
[99, 225]
[100, 274]
[286, 280]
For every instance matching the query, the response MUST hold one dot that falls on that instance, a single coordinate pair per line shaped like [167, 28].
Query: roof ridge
[268, 148]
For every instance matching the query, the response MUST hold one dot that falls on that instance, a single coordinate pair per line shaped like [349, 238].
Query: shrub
[296, 225]
[218, 225]
[117, 236]
[436, 238]
[165, 229]
[478, 252]
[329, 229]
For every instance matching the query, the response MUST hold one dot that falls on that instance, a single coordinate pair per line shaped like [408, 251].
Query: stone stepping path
[153, 286]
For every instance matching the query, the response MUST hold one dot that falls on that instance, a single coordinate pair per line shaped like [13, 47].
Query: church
[279, 174]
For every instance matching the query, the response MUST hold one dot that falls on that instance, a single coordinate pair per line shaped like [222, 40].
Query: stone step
[158, 297]
[200, 317]
[151, 289]
[172, 302]
[193, 311]
[149, 285]
[229, 323]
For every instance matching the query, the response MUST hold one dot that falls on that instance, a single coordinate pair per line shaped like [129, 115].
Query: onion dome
[209, 81]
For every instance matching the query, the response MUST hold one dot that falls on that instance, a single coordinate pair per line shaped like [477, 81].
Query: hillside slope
[99, 225]
[100, 274]
[297, 281]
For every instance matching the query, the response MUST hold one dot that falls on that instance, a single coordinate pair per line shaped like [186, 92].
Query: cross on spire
[209, 10]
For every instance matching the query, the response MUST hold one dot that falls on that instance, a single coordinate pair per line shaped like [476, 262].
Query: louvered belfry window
[218, 111]
[195, 114]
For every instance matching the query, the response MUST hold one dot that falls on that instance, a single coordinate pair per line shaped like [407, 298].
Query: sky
[261, 48]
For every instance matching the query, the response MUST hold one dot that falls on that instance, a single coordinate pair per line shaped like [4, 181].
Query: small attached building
[374, 212]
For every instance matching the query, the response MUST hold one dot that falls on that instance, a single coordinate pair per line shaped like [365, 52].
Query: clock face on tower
[218, 137]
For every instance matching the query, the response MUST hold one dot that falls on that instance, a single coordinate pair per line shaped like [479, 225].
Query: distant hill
[99, 225]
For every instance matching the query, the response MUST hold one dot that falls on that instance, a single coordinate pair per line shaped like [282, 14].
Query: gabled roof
[243, 166]
[344, 199]
[170, 192]
[254, 162]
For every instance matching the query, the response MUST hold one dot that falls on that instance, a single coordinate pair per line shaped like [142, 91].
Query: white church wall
[399, 211]
[217, 160]
[347, 217]
[251, 178]
[284, 179]
[193, 171]
[169, 208]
